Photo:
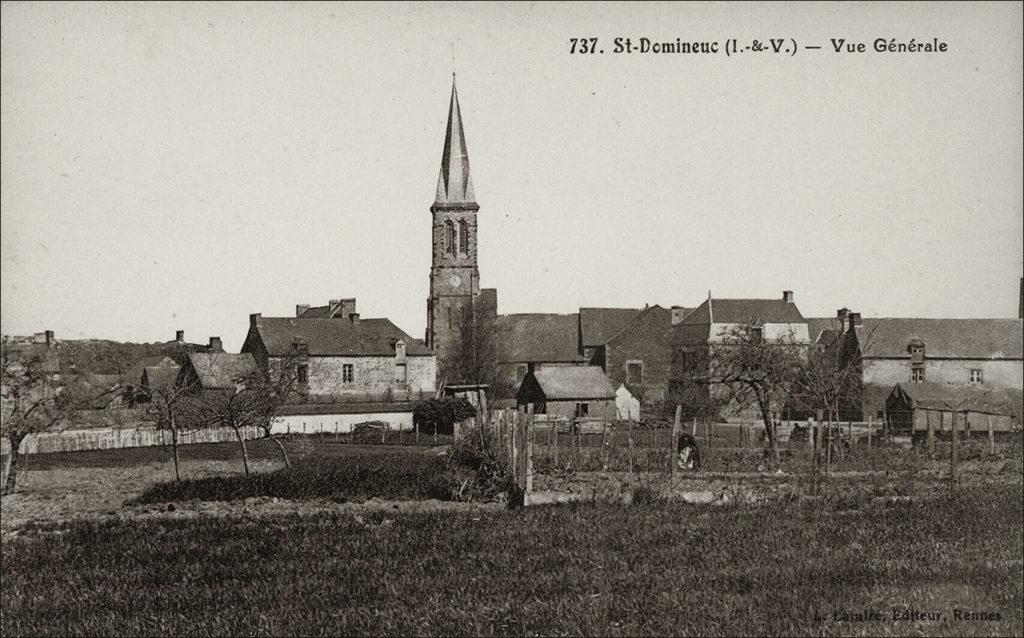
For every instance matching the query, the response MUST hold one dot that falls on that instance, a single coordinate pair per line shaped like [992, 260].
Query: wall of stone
[373, 377]
[997, 373]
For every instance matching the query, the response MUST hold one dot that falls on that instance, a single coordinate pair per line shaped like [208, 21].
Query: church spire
[454, 185]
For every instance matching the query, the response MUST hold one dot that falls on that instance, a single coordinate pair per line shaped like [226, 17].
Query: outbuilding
[569, 391]
[917, 407]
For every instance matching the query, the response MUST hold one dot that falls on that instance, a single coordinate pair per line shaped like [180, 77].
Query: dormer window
[400, 349]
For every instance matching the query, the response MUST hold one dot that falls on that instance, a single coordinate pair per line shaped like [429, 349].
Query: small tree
[32, 401]
[754, 370]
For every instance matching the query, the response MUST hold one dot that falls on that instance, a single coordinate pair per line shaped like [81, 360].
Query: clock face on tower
[455, 281]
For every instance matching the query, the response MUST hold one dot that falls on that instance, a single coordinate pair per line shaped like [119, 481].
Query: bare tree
[270, 391]
[32, 400]
[169, 406]
[749, 369]
[474, 357]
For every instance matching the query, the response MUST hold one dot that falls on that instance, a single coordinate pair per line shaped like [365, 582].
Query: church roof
[454, 184]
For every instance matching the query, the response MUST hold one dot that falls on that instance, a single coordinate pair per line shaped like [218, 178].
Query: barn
[916, 407]
[568, 391]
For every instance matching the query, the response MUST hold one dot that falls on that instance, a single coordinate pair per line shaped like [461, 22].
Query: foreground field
[597, 570]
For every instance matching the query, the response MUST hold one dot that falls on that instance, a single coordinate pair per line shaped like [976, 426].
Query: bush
[440, 415]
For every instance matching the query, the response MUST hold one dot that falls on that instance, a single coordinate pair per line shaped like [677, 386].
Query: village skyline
[176, 168]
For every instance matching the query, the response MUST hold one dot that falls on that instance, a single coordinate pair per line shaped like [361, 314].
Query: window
[449, 237]
[976, 376]
[756, 334]
[401, 373]
[463, 237]
[635, 373]
[347, 373]
[582, 409]
[302, 374]
[917, 375]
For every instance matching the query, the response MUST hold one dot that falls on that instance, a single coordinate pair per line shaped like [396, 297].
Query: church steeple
[454, 184]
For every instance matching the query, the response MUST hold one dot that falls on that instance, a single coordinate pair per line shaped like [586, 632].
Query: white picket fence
[116, 438]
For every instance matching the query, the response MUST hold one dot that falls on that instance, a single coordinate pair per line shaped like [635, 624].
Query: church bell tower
[454, 278]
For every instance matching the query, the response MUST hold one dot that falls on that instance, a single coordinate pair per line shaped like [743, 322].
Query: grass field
[587, 569]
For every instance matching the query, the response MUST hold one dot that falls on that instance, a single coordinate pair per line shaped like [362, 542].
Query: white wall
[995, 373]
[341, 423]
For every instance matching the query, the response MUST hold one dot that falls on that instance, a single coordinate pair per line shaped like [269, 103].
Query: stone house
[708, 326]
[345, 360]
[568, 391]
[638, 355]
[984, 352]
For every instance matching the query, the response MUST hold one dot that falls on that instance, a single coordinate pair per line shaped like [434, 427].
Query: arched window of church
[463, 237]
[449, 237]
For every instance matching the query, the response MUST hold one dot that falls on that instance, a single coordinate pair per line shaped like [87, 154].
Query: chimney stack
[300, 309]
[354, 318]
[678, 314]
[348, 307]
[48, 336]
[787, 296]
[254, 317]
[843, 317]
[179, 336]
[39, 337]
[854, 320]
[216, 345]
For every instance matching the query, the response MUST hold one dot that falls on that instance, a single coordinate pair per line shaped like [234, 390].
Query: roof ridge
[640, 314]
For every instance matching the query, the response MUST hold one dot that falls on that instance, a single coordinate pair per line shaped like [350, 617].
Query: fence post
[991, 435]
[629, 431]
[694, 433]
[810, 433]
[529, 456]
[521, 457]
[554, 436]
[931, 432]
[674, 440]
[604, 446]
[953, 450]
[416, 428]
[871, 428]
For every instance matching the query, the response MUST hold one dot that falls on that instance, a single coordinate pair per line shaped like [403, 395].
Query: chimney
[301, 346]
[678, 314]
[254, 317]
[530, 368]
[347, 307]
[300, 309]
[216, 345]
[354, 318]
[787, 296]
[854, 320]
[179, 336]
[50, 342]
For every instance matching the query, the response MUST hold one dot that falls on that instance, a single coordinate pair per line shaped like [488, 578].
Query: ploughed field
[945, 565]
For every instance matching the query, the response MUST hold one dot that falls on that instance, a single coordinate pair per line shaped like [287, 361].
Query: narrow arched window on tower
[463, 237]
[449, 237]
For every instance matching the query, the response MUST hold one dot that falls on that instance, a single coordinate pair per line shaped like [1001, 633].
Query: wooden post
[416, 427]
[694, 433]
[604, 446]
[810, 433]
[953, 450]
[886, 426]
[674, 440]
[871, 428]
[528, 468]
[554, 436]
[931, 432]
[384, 433]
[991, 434]
[435, 433]
[629, 430]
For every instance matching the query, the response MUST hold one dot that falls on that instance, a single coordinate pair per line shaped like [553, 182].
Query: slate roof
[742, 311]
[598, 325]
[943, 338]
[950, 397]
[326, 337]
[134, 374]
[538, 337]
[220, 370]
[574, 382]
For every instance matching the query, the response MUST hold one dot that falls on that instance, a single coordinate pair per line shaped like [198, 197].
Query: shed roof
[325, 337]
[574, 382]
[958, 398]
[538, 337]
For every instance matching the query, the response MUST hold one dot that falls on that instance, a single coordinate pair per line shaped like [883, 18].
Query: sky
[179, 166]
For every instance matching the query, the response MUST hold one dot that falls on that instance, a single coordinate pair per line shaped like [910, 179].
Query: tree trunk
[12, 474]
[174, 449]
[769, 428]
[284, 453]
[245, 452]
